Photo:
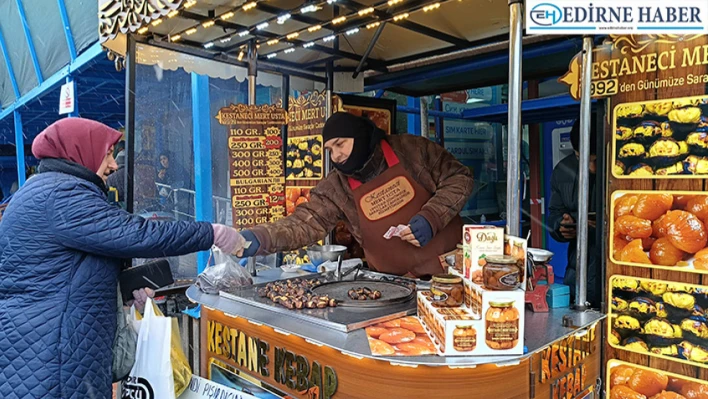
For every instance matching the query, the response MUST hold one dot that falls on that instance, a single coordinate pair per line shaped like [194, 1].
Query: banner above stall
[636, 63]
[119, 16]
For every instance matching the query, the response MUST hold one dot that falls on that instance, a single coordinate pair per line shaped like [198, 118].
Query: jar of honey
[447, 290]
[464, 338]
[502, 325]
[501, 273]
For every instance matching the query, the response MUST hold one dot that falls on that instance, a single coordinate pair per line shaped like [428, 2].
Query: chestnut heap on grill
[296, 294]
[364, 293]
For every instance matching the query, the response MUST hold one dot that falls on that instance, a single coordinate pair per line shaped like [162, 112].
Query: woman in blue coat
[61, 245]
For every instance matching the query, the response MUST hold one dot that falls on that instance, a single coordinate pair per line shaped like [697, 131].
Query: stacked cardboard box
[496, 330]
[489, 322]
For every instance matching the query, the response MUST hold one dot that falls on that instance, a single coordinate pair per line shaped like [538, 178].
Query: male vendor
[380, 181]
[563, 213]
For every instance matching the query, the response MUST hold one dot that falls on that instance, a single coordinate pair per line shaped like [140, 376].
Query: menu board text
[257, 176]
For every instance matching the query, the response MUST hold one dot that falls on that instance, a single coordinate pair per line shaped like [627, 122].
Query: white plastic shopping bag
[151, 376]
[134, 319]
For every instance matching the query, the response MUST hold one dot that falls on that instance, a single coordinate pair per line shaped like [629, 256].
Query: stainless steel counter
[541, 329]
[340, 318]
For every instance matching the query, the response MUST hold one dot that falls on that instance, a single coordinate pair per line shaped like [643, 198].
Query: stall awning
[37, 40]
[304, 35]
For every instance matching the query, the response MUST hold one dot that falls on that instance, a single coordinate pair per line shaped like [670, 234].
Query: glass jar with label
[502, 325]
[464, 338]
[501, 273]
[447, 290]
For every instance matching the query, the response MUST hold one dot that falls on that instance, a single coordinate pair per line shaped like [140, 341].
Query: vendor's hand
[408, 236]
[162, 173]
[140, 298]
[568, 233]
[255, 244]
[228, 240]
[418, 233]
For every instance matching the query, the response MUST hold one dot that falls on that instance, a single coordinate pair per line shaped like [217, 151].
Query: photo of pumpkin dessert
[401, 337]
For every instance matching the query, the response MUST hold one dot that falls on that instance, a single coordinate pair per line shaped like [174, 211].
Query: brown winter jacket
[332, 199]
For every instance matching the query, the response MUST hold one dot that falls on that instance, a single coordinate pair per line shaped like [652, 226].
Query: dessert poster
[400, 337]
[658, 318]
[665, 230]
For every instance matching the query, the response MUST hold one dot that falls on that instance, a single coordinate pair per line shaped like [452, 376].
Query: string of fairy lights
[355, 29]
[292, 37]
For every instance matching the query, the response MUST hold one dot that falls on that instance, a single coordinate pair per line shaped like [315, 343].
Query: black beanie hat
[365, 133]
[346, 125]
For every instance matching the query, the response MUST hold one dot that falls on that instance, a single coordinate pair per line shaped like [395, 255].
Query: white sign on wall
[67, 101]
[466, 150]
[465, 129]
[201, 388]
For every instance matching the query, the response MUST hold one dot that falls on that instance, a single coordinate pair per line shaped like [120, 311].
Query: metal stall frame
[255, 61]
[584, 178]
[515, 81]
[513, 169]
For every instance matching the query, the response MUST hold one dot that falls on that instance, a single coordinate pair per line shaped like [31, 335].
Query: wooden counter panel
[550, 363]
[369, 378]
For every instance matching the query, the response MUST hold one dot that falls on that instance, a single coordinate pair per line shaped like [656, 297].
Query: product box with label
[496, 329]
[478, 299]
[478, 242]
[512, 275]
[456, 257]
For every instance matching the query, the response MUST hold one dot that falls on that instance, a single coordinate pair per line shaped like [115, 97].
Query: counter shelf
[340, 318]
[542, 329]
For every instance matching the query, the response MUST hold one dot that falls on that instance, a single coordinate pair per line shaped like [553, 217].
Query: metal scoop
[320, 254]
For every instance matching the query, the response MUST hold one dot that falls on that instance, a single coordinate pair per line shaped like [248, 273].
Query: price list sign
[257, 176]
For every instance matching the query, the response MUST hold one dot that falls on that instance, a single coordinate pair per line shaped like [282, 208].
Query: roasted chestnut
[693, 353]
[635, 344]
[626, 325]
[660, 332]
[642, 308]
[695, 329]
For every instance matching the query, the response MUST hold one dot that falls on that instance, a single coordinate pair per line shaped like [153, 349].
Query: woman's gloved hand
[418, 233]
[140, 298]
[255, 244]
[228, 240]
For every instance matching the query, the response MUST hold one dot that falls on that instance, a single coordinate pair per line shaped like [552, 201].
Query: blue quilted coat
[60, 245]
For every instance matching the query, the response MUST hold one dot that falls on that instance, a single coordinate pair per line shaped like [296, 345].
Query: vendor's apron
[390, 199]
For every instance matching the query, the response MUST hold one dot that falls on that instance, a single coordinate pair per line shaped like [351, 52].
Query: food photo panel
[303, 159]
[659, 318]
[627, 380]
[664, 139]
[400, 337]
[660, 229]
